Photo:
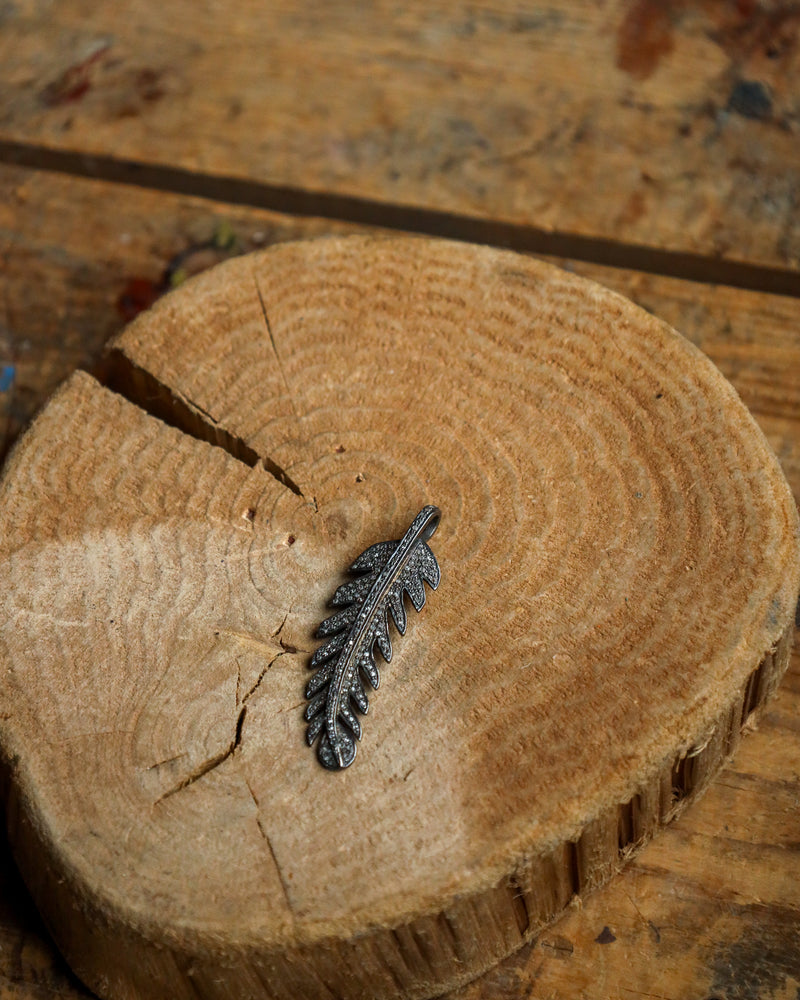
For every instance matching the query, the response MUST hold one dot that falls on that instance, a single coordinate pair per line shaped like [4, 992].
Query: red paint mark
[149, 85]
[74, 83]
[137, 295]
[634, 209]
[644, 37]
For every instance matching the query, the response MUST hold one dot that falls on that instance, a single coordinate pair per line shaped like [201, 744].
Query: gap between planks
[404, 218]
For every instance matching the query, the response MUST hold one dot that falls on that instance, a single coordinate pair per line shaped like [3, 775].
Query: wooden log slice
[619, 563]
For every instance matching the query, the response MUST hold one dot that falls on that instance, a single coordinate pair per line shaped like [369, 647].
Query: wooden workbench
[651, 146]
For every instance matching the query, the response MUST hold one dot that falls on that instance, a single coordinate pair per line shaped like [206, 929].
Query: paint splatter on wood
[644, 38]
[75, 82]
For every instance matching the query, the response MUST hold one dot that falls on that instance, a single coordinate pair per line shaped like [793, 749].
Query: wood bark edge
[428, 947]
[435, 946]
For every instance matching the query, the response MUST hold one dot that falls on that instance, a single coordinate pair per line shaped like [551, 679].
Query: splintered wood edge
[473, 932]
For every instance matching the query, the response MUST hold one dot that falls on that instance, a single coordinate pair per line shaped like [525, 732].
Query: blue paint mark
[7, 377]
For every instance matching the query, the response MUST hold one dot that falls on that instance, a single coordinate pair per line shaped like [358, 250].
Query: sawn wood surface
[671, 126]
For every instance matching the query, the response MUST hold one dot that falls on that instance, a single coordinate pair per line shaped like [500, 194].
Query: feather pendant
[385, 573]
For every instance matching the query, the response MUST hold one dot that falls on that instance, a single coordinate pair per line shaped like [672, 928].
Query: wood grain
[281, 335]
[101, 250]
[664, 925]
[706, 910]
[715, 173]
[82, 257]
[671, 126]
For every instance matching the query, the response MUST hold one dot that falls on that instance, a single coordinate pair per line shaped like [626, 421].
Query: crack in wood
[250, 641]
[214, 762]
[408, 955]
[167, 760]
[449, 932]
[278, 869]
[207, 766]
[574, 867]
[266, 837]
[261, 676]
[271, 336]
[519, 906]
[138, 386]
[272, 467]
[524, 237]
[560, 946]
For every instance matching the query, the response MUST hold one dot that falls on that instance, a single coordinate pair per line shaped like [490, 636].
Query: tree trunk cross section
[619, 573]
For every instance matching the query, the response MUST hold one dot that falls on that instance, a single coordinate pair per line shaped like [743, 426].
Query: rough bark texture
[620, 569]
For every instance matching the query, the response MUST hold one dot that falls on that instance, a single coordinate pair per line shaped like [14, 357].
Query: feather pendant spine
[352, 647]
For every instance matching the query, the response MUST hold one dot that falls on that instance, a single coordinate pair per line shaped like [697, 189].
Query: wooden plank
[82, 257]
[86, 242]
[665, 126]
[645, 455]
[30, 966]
[752, 337]
[659, 932]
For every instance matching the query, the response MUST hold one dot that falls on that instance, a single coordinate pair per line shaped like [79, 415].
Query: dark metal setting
[385, 573]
